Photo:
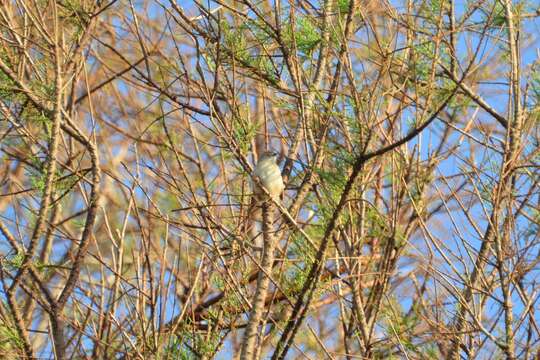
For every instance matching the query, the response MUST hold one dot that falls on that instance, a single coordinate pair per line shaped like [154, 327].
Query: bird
[269, 175]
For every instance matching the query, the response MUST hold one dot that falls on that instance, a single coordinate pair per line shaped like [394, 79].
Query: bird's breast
[270, 177]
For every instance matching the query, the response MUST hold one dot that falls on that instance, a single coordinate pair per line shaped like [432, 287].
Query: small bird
[269, 174]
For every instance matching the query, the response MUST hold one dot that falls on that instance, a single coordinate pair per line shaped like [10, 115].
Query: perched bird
[269, 174]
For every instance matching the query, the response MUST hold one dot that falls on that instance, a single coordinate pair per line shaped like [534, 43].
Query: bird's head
[269, 156]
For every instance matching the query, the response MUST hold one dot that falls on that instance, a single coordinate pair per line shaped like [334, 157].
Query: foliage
[406, 132]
